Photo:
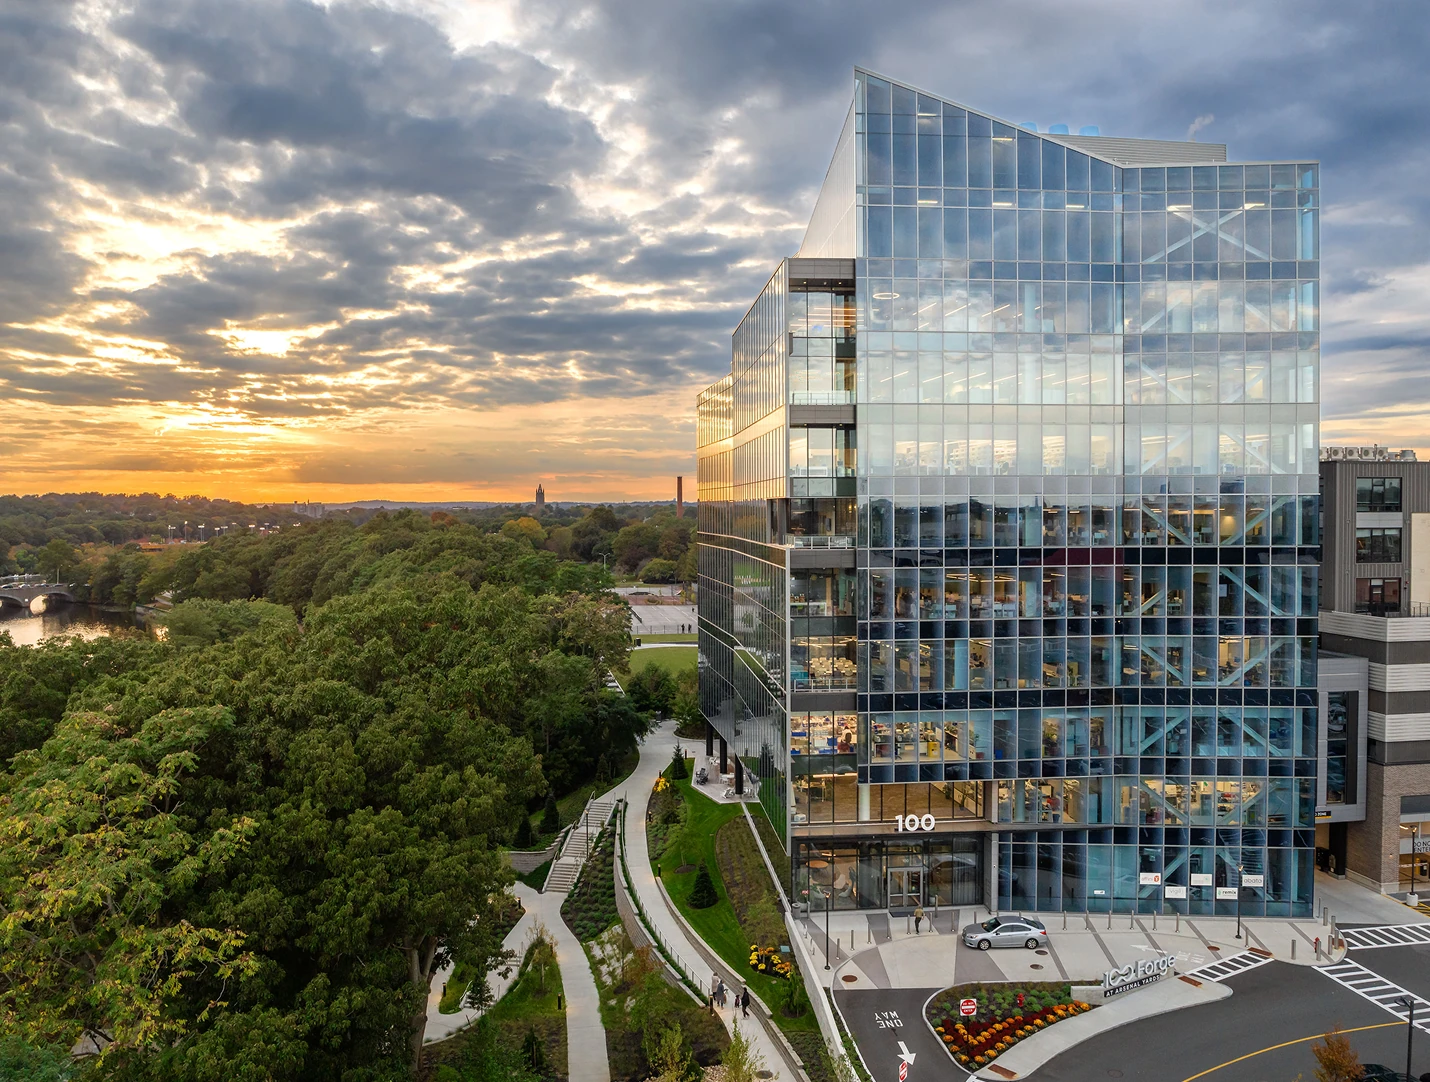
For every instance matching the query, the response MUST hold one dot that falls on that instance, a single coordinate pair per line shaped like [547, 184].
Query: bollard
[868, 935]
[908, 924]
[1324, 911]
[1318, 948]
[1109, 920]
[1293, 950]
[1154, 920]
[1065, 920]
[1131, 921]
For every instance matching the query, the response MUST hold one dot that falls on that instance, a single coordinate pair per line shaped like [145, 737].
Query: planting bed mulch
[590, 908]
[1007, 1014]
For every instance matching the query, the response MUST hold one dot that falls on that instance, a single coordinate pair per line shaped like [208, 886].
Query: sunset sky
[439, 249]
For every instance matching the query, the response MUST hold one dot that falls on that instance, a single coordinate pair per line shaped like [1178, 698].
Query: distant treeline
[98, 543]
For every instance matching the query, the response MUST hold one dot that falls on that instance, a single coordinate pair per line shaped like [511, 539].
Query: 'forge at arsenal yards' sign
[1136, 974]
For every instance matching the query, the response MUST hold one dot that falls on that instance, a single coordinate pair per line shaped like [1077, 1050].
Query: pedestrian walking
[745, 1002]
[918, 918]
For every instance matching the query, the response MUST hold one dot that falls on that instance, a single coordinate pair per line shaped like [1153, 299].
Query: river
[84, 621]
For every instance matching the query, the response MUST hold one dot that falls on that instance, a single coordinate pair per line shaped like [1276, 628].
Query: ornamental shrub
[703, 895]
[677, 769]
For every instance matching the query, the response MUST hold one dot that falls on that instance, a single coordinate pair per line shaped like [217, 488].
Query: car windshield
[992, 924]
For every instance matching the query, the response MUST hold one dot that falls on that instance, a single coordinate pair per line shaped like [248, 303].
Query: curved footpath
[656, 752]
[585, 1036]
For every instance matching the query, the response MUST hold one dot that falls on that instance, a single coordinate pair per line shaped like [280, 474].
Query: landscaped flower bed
[1007, 1013]
[769, 960]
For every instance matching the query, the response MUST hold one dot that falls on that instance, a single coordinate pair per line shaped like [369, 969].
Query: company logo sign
[1135, 975]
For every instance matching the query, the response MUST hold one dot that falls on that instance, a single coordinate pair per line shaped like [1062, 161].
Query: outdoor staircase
[580, 836]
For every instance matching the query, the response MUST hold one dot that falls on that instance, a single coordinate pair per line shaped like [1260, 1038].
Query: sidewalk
[656, 751]
[886, 954]
[441, 1026]
[585, 1036]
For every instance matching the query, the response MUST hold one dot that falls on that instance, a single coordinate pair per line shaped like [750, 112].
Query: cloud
[261, 239]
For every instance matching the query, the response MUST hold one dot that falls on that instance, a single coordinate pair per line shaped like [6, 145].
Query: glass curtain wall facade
[1084, 442]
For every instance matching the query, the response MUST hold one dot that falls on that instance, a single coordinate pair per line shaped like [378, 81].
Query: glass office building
[1008, 523]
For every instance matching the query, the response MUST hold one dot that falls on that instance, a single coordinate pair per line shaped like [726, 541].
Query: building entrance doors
[906, 888]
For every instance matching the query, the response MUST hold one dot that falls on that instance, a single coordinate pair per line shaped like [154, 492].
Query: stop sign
[967, 1007]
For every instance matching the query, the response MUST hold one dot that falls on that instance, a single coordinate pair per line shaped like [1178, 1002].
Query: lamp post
[828, 904]
[1409, 1003]
[1238, 901]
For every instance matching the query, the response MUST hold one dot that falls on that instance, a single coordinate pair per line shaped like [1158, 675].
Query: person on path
[745, 1002]
[918, 918]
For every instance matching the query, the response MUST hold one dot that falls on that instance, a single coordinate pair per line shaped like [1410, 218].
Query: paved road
[1273, 1004]
[880, 1018]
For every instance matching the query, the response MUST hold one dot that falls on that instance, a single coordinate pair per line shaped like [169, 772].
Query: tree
[202, 622]
[95, 859]
[669, 1056]
[527, 529]
[652, 689]
[658, 570]
[57, 558]
[677, 769]
[635, 543]
[559, 540]
[1336, 1060]
[550, 816]
[533, 1051]
[741, 1062]
[522, 838]
[21, 1062]
[674, 540]
[703, 894]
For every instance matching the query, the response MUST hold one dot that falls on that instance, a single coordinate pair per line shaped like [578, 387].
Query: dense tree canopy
[243, 852]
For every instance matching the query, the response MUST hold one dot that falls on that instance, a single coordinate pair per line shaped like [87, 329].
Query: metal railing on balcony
[821, 398]
[820, 541]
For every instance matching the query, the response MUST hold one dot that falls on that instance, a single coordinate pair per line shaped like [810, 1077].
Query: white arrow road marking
[905, 1054]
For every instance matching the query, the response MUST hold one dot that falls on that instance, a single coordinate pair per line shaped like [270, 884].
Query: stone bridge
[22, 594]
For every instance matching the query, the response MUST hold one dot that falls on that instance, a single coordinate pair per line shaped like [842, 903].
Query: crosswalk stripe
[1228, 967]
[1374, 988]
[1386, 935]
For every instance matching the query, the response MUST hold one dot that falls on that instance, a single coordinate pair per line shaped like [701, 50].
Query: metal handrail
[676, 963]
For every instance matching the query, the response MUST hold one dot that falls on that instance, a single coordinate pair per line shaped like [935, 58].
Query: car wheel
[1032, 944]
[984, 944]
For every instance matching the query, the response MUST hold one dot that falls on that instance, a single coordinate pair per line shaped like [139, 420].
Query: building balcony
[820, 541]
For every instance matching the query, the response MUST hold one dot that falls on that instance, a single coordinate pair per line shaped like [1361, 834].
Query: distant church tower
[540, 499]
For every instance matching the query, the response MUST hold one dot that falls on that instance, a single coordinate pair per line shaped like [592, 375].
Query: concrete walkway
[656, 752]
[1354, 904]
[1081, 949]
[441, 1026]
[585, 1036]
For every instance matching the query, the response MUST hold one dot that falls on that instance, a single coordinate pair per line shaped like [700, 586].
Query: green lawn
[674, 659]
[647, 639]
[695, 842]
